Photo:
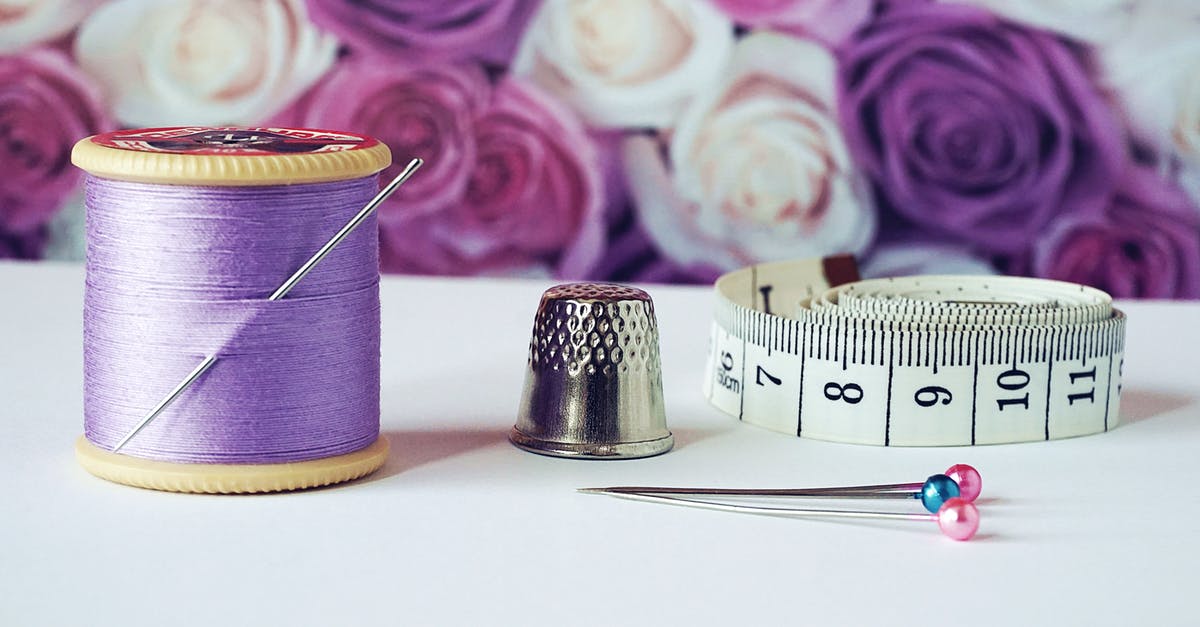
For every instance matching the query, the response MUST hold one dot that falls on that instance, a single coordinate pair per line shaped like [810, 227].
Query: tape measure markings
[876, 341]
[887, 433]
[742, 400]
[1107, 399]
[1049, 382]
[974, 399]
[800, 408]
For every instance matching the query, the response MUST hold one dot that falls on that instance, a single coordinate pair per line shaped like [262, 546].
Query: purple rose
[487, 30]
[46, 105]
[23, 246]
[974, 126]
[1146, 245]
[830, 21]
[511, 182]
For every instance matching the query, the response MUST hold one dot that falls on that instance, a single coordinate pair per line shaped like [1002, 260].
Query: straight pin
[956, 518]
[959, 481]
[279, 293]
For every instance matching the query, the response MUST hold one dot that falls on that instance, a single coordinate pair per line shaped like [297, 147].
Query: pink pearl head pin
[958, 519]
[970, 484]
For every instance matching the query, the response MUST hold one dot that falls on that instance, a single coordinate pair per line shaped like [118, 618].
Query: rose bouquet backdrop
[665, 140]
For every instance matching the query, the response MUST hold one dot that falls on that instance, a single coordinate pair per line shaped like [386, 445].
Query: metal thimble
[593, 385]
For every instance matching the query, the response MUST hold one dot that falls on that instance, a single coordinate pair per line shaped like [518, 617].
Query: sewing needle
[279, 293]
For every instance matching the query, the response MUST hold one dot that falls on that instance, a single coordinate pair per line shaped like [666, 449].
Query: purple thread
[176, 272]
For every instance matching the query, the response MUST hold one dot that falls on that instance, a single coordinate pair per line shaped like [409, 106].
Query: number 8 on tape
[914, 361]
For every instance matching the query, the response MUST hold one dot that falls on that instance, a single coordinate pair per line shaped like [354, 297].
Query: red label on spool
[233, 140]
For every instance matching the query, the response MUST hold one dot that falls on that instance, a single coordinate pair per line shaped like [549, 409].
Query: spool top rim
[230, 155]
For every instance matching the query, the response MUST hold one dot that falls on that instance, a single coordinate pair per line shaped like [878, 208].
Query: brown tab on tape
[840, 269]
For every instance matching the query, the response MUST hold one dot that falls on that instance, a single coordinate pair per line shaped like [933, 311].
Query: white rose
[202, 61]
[1189, 180]
[1154, 69]
[761, 171]
[24, 23]
[1093, 21]
[625, 62]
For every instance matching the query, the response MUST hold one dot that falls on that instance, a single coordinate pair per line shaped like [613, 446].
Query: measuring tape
[914, 361]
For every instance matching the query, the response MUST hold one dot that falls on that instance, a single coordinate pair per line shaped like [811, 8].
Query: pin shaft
[279, 293]
[883, 491]
[771, 511]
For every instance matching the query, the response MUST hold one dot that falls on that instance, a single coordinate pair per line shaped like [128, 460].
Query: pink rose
[830, 21]
[511, 183]
[417, 110]
[1147, 244]
[46, 105]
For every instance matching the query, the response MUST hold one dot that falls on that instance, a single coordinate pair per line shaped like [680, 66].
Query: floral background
[665, 140]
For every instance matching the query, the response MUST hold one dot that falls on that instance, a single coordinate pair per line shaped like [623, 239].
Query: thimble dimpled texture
[595, 329]
[594, 381]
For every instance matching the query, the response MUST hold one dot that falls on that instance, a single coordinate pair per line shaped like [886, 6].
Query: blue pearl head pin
[936, 491]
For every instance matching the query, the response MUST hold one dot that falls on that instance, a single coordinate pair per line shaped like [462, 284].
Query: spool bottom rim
[230, 478]
[575, 450]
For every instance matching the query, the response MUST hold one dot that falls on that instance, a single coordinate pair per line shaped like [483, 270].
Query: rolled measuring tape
[800, 347]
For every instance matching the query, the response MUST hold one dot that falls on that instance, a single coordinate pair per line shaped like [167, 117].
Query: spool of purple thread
[189, 230]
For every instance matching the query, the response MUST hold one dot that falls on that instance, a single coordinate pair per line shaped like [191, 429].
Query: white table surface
[461, 528]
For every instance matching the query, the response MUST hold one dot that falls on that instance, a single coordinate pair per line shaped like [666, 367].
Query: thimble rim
[592, 450]
[617, 292]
